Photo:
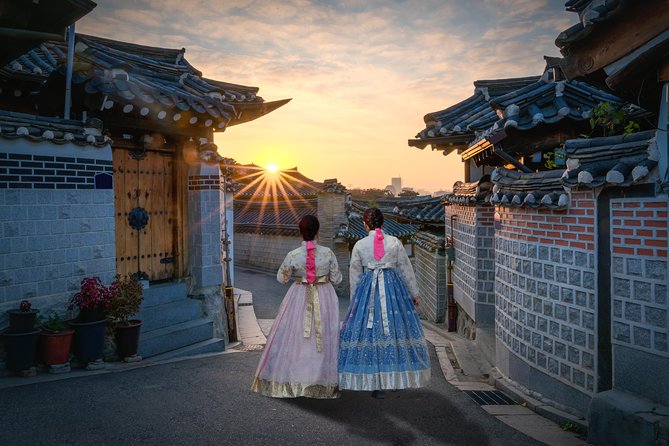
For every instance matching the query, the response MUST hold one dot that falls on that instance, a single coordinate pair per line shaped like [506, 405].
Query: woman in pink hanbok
[300, 357]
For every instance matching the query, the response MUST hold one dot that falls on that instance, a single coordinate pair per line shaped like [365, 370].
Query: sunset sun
[272, 168]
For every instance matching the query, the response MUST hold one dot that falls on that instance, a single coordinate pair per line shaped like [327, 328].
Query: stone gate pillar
[332, 202]
[206, 222]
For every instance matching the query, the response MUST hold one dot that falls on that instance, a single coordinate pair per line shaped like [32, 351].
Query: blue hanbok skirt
[370, 359]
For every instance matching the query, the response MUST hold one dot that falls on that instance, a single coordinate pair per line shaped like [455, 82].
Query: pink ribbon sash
[378, 244]
[311, 262]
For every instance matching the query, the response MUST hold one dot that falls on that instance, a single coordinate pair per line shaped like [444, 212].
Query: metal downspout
[68, 74]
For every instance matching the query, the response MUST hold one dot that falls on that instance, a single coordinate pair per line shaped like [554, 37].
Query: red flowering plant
[92, 300]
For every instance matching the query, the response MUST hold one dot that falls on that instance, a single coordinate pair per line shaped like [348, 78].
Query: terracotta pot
[127, 338]
[55, 346]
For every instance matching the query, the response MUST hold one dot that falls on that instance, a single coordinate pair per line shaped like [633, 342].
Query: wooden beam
[509, 159]
[632, 66]
[616, 37]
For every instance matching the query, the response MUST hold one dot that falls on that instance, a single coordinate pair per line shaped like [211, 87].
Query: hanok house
[528, 252]
[624, 46]
[268, 208]
[130, 185]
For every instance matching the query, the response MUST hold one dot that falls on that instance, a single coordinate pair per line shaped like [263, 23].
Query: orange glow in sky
[361, 75]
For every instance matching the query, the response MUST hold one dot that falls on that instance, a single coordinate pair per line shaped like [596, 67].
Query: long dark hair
[373, 218]
[309, 226]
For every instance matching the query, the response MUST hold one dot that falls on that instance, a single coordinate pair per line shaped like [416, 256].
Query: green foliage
[126, 297]
[370, 195]
[408, 193]
[571, 427]
[53, 323]
[612, 119]
[555, 159]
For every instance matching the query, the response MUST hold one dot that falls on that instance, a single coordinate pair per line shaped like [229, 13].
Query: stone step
[162, 293]
[165, 339]
[168, 314]
[212, 345]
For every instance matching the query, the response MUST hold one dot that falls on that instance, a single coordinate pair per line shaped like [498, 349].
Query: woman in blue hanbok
[381, 343]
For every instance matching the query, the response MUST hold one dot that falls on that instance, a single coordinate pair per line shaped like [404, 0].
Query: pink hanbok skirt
[291, 365]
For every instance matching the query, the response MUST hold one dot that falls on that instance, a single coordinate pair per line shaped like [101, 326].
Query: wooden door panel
[148, 184]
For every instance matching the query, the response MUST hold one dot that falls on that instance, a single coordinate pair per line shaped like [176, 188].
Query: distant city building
[396, 184]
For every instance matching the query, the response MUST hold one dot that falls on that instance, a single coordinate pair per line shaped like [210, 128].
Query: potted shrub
[125, 299]
[55, 341]
[92, 301]
[23, 319]
[21, 338]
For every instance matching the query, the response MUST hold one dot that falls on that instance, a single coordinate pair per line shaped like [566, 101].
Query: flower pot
[127, 338]
[20, 349]
[21, 321]
[89, 340]
[91, 315]
[55, 346]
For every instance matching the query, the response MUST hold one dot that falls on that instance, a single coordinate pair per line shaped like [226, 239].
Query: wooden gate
[144, 188]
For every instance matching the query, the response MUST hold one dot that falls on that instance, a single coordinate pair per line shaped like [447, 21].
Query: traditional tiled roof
[536, 104]
[456, 125]
[590, 12]
[26, 24]
[611, 161]
[356, 228]
[256, 182]
[474, 193]
[423, 209]
[53, 130]
[142, 81]
[538, 189]
[428, 241]
[275, 218]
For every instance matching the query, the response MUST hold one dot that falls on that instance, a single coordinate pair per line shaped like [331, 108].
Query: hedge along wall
[640, 325]
[545, 289]
[56, 222]
[474, 267]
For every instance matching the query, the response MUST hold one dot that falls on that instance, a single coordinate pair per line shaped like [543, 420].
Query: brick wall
[262, 251]
[639, 274]
[56, 222]
[546, 290]
[430, 269]
[474, 267]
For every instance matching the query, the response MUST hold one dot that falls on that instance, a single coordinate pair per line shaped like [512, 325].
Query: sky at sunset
[361, 73]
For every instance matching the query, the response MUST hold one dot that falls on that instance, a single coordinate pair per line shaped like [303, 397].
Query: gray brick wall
[51, 237]
[474, 266]
[640, 307]
[430, 269]
[261, 251]
[546, 294]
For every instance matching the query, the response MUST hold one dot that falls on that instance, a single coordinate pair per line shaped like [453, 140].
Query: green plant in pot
[55, 341]
[126, 298]
[22, 320]
[92, 301]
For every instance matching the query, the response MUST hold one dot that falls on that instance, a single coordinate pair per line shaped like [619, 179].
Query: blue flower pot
[89, 340]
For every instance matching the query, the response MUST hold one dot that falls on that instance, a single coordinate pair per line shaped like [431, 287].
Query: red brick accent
[573, 227]
[639, 227]
[205, 182]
